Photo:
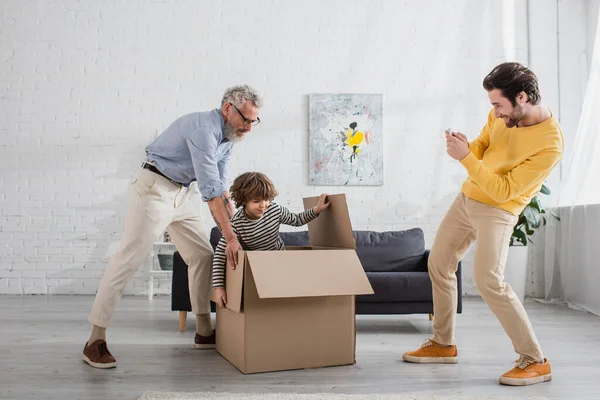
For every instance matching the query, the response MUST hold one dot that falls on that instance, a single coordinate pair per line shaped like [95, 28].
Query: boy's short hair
[252, 186]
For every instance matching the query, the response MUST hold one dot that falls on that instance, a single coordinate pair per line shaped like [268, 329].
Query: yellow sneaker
[432, 353]
[527, 372]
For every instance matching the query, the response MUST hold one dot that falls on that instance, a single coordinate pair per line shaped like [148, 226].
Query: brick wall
[85, 85]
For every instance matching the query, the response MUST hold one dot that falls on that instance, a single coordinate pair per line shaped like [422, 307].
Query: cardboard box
[294, 309]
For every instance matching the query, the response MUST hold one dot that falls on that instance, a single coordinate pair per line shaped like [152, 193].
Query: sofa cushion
[398, 287]
[289, 238]
[410, 264]
[295, 238]
[391, 251]
[400, 251]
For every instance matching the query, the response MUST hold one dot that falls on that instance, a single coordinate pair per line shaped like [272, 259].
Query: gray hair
[238, 95]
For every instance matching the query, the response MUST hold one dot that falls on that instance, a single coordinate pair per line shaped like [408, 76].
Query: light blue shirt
[194, 148]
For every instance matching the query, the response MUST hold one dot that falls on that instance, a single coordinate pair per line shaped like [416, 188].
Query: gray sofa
[395, 263]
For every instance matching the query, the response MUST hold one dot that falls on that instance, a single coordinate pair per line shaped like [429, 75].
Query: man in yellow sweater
[516, 151]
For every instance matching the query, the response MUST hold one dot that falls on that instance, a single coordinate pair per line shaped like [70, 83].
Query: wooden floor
[41, 339]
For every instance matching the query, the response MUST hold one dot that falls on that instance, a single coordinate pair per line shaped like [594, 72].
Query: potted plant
[530, 219]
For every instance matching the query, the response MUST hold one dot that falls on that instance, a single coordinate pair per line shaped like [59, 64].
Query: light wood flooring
[41, 339]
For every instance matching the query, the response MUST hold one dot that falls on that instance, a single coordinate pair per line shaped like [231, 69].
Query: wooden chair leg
[431, 317]
[182, 320]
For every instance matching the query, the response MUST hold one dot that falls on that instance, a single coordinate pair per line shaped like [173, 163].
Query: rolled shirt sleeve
[223, 166]
[206, 168]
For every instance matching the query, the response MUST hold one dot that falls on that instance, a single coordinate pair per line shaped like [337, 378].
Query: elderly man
[196, 147]
[506, 165]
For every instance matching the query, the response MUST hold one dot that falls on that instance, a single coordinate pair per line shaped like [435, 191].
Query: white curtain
[572, 257]
[571, 261]
[581, 175]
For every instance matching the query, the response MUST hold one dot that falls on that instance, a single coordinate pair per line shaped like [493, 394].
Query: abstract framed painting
[345, 142]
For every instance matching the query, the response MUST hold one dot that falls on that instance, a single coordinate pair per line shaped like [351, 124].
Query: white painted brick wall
[85, 85]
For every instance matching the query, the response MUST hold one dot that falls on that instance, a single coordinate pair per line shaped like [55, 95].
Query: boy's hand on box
[321, 204]
[221, 297]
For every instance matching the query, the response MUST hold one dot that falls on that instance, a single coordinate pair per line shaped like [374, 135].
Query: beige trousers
[469, 221]
[157, 204]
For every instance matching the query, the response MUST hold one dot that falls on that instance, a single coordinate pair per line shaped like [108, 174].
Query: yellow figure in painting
[353, 139]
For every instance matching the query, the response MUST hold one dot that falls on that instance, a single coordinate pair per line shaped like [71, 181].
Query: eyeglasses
[247, 121]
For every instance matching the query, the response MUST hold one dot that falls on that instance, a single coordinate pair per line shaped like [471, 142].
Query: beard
[515, 117]
[231, 134]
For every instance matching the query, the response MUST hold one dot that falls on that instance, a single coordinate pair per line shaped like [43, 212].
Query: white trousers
[157, 204]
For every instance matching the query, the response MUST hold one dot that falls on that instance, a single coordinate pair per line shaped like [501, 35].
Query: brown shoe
[432, 353]
[97, 355]
[205, 342]
[527, 372]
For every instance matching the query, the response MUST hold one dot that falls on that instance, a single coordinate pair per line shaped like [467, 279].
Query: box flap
[306, 273]
[234, 282]
[332, 228]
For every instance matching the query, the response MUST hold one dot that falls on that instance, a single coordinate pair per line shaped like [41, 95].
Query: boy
[257, 222]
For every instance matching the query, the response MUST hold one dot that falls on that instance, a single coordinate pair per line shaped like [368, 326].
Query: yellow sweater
[507, 166]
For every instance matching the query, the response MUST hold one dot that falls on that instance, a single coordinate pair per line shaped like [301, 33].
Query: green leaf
[535, 203]
[520, 237]
[545, 189]
[517, 227]
[532, 216]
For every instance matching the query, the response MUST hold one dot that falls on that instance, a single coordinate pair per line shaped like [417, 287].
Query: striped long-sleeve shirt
[260, 234]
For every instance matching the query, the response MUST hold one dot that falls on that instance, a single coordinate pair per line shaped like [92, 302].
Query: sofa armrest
[180, 292]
